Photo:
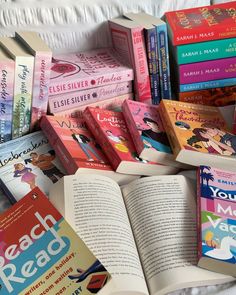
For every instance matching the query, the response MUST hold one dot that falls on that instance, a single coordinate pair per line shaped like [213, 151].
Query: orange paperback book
[198, 134]
[45, 256]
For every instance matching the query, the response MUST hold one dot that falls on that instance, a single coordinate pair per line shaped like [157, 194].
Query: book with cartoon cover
[216, 220]
[45, 255]
[199, 134]
[27, 162]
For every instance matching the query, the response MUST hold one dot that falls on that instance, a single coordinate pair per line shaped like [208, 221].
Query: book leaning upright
[42, 65]
[143, 233]
[24, 67]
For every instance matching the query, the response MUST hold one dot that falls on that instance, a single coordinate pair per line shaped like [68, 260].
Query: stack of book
[142, 40]
[203, 50]
[25, 69]
[97, 77]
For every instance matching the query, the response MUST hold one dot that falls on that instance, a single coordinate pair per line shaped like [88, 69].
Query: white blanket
[74, 25]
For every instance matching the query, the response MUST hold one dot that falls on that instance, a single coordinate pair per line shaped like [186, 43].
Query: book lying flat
[199, 134]
[45, 255]
[111, 132]
[27, 162]
[77, 148]
[144, 233]
[216, 220]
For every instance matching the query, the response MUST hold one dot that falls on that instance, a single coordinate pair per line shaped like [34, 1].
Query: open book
[144, 233]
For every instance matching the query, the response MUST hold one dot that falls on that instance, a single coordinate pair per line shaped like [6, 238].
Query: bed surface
[75, 25]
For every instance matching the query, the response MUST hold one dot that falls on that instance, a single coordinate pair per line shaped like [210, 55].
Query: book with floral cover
[84, 70]
[45, 255]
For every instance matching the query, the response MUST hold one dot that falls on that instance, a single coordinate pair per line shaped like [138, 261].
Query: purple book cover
[208, 70]
[84, 70]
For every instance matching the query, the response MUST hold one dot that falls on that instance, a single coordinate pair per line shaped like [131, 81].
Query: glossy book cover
[216, 214]
[74, 143]
[145, 126]
[45, 255]
[84, 70]
[197, 128]
[27, 162]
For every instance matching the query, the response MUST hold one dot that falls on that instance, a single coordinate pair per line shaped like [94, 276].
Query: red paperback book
[201, 24]
[110, 130]
[76, 147]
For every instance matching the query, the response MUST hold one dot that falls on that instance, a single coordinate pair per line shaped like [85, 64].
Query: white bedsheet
[73, 25]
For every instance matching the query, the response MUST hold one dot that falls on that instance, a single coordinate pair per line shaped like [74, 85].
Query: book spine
[6, 99]
[82, 83]
[24, 67]
[213, 97]
[58, 103]
[164, 67]
[130, 123]
[153, 64]
[207, 70]
[166, 122]
[58, 146]
[101, 138]
[207, 84]
[234, 120]
[204, 51]
[42, 69]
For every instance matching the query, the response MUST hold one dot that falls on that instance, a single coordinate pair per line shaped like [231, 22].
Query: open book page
[162, 211]
[97, 212]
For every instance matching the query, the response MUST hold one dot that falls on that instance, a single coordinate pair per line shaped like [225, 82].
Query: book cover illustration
[217, 204]
[77, 99]
[6, 97]
[145, 127]
[113, 135]
[84, 70]
[27, 162]
[74, 143]
[198, 128]
[224, 68]
[202, 23]
[45, 255]
[220, 96]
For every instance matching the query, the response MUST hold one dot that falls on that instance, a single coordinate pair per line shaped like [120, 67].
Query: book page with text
[162, 211]
[97, 212]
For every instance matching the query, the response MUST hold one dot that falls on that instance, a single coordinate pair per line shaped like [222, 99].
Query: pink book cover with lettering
[42, 69]
[111, 132]
[70, 100]
[130, 44]
[74, 143]
[207, 70]
[216, 218]
[141, 120]
[113, 104]
[84, 70]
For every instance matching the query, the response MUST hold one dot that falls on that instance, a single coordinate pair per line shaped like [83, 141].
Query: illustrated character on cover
[225, 144]
[121, 144]
[45, 164]
[154, 137]
[84, 143]
[25, 173]
[98, 278]
[219, 249]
